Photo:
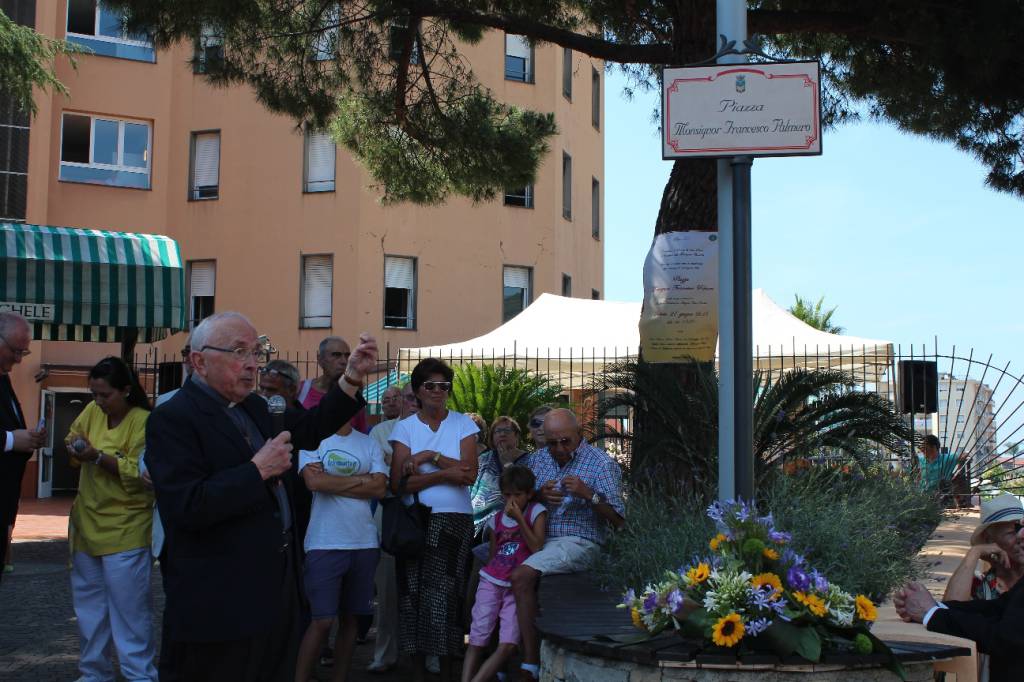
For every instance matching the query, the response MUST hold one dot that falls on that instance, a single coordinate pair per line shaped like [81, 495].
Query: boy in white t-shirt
[342, 548]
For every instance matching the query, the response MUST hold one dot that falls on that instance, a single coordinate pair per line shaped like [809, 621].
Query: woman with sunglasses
[536, 426]
[435, 455]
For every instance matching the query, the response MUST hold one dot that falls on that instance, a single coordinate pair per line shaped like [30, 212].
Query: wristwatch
[596, 499]
[350, 381]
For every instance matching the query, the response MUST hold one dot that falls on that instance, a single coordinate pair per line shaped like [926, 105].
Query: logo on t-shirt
[508, 549]
[341, 463]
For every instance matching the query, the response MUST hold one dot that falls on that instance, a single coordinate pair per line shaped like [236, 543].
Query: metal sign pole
[734, 406]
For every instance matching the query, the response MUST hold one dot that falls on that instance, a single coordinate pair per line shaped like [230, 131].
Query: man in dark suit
[995, 625]
[218, 473]
[18, 442]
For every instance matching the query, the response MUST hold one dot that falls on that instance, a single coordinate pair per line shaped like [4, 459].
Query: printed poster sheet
[679, 321]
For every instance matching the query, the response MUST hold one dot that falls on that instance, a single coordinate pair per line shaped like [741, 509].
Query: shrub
[494, 390]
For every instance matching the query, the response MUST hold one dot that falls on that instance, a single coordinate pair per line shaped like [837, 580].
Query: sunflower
[638, 621]
[770, 553]
[865, 609]
[716, 541]
[728, 630]
[698, 574]
[813, 603]
[768, 579]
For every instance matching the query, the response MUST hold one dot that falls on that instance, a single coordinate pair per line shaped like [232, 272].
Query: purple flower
[674, 600]
[767, 521]
[797, 579]
[792, 558]
[779, 607]
[760, 597]
[743, 512]
[716, 512]
[627, 599]
[820, 583]
[757, 626]
[779, 536]
[650, 603]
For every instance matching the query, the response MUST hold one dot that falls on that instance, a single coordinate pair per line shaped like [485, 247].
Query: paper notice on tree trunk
[679, 321]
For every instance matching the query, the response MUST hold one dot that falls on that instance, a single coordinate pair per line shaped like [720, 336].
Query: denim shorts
[340, 581]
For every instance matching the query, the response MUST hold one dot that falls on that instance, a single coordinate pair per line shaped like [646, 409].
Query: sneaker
[377, 667]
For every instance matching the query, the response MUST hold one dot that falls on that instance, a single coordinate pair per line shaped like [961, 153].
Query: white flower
[710, 601]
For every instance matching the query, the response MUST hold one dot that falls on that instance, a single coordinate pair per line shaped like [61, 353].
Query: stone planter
[561, 664]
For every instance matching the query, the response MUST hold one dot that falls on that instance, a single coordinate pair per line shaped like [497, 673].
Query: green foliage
[493, 390]
[998, 479]
[27, 61]
[801, 412]
[863, 532]
[814, 315]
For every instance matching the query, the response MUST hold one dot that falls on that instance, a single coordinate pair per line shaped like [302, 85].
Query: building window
[566, 285]
[317, 286]
[209, 51]
[103, 31]
[399, 292]
[595, 295]
[325, 42]
[515, 291]
[595, 208]
[204, 170]
[104, 151]
[202, 281]
[398, 35]
[319, 162]
[566, 186]
[567, 73]
[518, 59]
[595, 98]
[14, 134]
[522, 196]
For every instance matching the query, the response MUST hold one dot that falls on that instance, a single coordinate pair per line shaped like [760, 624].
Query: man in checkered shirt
[582, 489]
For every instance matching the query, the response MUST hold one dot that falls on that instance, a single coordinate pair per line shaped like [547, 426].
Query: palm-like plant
[803, 412]
[815, 315]
[494, 390]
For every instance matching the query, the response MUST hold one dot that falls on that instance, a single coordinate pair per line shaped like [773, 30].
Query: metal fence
[979, 416]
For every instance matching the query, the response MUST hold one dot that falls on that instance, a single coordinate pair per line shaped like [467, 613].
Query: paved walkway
[39, 640]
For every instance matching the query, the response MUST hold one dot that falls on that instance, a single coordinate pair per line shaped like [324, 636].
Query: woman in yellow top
[111, 523]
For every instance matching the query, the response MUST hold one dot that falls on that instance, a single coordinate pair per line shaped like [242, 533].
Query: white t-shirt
[336, 521]
[417, 436]
[382, 434]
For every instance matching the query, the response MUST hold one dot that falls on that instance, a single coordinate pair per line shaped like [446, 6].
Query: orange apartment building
[272, 220]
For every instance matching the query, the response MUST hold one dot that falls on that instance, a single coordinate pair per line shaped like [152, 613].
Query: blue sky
[898, 231]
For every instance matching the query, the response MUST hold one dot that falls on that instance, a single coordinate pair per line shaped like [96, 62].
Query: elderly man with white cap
[985, 607]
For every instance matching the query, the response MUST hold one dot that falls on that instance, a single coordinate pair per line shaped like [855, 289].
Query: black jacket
[224, 542]
[995, 625]
[12, 464]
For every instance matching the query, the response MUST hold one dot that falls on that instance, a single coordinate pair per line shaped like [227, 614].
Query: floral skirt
[432, 588]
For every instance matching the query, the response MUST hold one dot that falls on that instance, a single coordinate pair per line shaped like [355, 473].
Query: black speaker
[918, 387]
[169, 376]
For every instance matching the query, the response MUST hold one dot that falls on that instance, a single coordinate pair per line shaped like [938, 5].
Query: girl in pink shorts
[518, 533]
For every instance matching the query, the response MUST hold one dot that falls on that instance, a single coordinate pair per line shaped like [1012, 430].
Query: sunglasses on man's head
[437, 385]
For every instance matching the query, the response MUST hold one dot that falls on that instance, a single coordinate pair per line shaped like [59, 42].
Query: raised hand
[363, 359]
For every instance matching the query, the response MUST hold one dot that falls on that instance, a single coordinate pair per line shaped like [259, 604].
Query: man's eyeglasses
[561, 442]
[536, 422]
[504, 430]
[437, 385]
[259, 353]
[19, 352]
[269, 371]
[338, 355]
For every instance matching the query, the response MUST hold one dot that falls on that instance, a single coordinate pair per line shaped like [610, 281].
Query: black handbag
[404, 527]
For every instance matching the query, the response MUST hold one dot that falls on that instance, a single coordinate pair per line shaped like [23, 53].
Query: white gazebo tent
[571, 338]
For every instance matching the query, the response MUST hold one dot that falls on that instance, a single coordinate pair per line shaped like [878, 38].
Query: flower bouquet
[753, 592]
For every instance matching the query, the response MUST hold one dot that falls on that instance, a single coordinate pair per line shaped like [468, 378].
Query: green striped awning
[91, 285]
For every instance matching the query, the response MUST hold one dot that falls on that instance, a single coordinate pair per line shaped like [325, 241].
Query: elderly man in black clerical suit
[218, 473]
[16, 442]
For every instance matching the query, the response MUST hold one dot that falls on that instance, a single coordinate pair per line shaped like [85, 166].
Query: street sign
[741, 110]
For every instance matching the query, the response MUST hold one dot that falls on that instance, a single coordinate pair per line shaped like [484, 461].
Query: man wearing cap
[995, 541]
[996, 625]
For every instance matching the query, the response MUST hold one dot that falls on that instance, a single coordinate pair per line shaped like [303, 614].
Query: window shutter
[518, 278]
[399, 273]
[202, 278]
[317, 284]
[206, 172]
[320, 156]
